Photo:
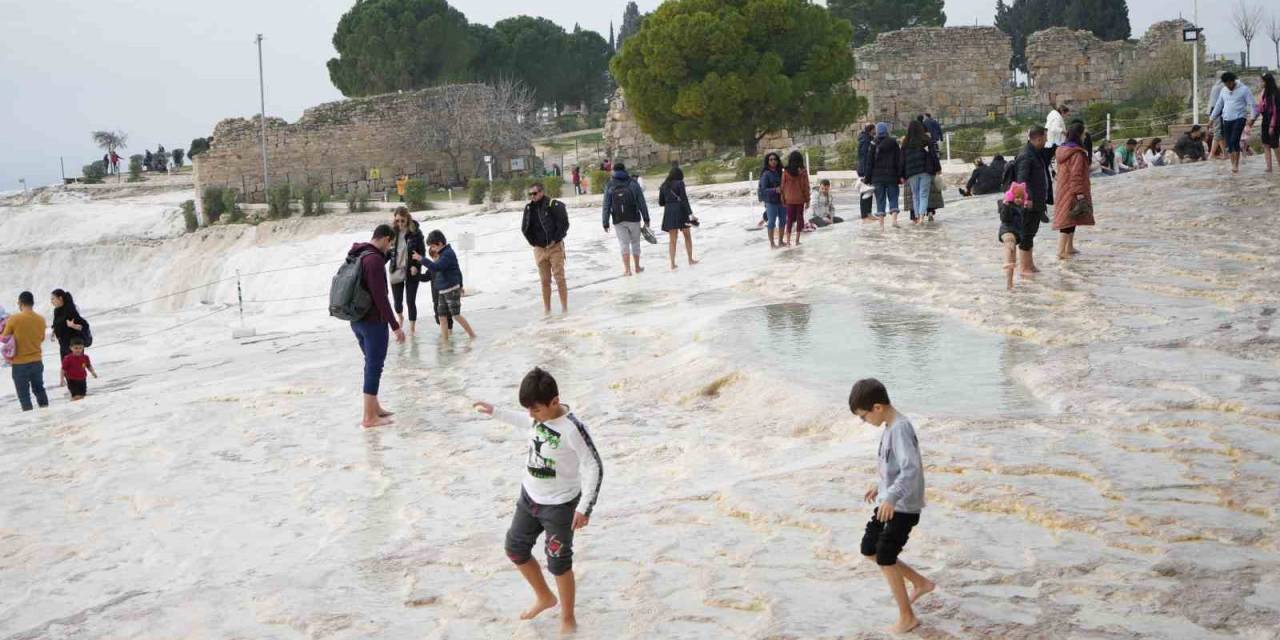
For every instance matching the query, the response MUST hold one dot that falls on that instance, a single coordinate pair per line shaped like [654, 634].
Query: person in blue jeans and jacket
[371, 330]
[442, 267]
[886, 173]
[917, 165]
[769, 191]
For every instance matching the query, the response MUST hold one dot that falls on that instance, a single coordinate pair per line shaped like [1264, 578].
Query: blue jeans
[919, 184]
[372, 336]
[886, 194]
[776, 214]
[1231, 131]
[29, 378]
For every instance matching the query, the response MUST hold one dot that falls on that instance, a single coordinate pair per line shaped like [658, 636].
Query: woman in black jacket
[677, 214]
[404, 267]
[67, 322]
[917, 165]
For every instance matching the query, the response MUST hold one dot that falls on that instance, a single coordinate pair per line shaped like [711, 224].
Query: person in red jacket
[73, 371]
[371, 331]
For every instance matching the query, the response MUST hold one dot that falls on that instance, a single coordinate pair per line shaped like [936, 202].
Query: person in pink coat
[1073, 200]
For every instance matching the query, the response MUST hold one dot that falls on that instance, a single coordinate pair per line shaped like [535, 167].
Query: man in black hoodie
[371, 331]
[545, 225]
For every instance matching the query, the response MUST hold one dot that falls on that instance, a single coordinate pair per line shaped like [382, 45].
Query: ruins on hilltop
[959, 74]
[350, 144]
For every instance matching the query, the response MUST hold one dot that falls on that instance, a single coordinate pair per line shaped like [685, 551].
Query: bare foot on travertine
[538, 607]
[380, 422]
[383, 413]
[920, 590]
[904, 626]
[568, 626]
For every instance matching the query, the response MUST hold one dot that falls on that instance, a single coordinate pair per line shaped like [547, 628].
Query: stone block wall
[959, 74]
[340, 146]
[623, 140]
[1077, 68]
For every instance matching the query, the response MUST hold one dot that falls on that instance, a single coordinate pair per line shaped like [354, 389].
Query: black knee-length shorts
[885, 540]
[531, 520]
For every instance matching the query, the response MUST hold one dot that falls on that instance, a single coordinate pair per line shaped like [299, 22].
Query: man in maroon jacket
[371, 331]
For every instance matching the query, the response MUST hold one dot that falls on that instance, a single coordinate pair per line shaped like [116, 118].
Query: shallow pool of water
[930, 364]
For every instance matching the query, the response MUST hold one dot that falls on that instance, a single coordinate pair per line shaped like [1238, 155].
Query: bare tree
[110, 140]
[471, 119]
[1273, 34]
[1246, 18]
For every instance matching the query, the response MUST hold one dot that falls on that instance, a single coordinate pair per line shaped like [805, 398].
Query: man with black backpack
[370, 297]
[624, 204]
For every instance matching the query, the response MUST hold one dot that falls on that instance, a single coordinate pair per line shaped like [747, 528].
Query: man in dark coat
[1031, 170]
[545, 225]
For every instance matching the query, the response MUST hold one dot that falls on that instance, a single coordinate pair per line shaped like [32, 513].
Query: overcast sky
[166, 71]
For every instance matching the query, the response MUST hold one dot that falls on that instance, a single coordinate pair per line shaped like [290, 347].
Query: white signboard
[517, 164]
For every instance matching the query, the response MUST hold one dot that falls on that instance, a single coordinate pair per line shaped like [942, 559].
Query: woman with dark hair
[795, 195]
[769, 191]
[917, 166]
[1073, 202]
[677, 214]
[67, 322]
[1268, 110]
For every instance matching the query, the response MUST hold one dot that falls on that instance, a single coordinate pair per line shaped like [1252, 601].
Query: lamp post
[1192, 34]
[262, 115]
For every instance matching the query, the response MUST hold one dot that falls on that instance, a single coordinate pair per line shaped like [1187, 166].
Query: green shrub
[477, 188]
[135, 169]
[278, 201]
[230, 206]
[599, 179]
[847, 152]
[308, 195]
[516, 188]
[747, 167]
[94, 172]
[705, 172]
[498, 190]
[189, 215]
[177, 158]
[358, 200]
[1095, 115]
[198, 146]
[554, 186]
[1130, 122]
[1167, 110]
[817, 160]
[211, 202]
[415, 195]
[968, 144]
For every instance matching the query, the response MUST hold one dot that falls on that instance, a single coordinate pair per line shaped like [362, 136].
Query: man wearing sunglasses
[545, 225]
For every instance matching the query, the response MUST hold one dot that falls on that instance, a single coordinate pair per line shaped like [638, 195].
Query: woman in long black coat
[67, 322]
[677, 215]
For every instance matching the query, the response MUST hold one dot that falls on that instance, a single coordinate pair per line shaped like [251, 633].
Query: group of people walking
[887, 164]
[22, 337]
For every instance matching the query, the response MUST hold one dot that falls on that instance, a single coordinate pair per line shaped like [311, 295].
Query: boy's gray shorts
[628, 237]
[531, 520]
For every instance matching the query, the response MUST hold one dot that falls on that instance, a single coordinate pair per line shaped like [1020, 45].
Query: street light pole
[262, 115]
[1195, 65]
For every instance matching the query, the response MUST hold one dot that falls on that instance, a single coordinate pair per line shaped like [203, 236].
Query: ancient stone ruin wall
[623, 140]
[1077, 68]
[959, 74]
[340, 146]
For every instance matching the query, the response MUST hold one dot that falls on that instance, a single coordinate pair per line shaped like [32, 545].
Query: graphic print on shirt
[540, 467]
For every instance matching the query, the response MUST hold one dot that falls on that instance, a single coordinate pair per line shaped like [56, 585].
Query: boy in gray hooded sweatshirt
[899, 494]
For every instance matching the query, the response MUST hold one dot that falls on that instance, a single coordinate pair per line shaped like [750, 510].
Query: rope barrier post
[1108, 126]
[947, 136]
[241, 331]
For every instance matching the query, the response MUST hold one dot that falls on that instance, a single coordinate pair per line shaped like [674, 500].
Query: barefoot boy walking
[899, 493]
[561, 482]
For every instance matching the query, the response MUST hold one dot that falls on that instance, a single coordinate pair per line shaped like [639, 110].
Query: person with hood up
[1073, 198]
[624, 206]
[866, 145]
[371, 330]
[886, 173]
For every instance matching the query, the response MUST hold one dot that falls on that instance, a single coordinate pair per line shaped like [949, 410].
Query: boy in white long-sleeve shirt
[899, 494]
[561, 482]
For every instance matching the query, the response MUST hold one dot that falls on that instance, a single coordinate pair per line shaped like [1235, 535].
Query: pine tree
[631, 21]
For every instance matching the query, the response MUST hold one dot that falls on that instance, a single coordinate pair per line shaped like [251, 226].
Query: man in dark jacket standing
[624, 204]
[371, 331]
[1031, 170]
[934, 128]
[545, 225]
[866, 146]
